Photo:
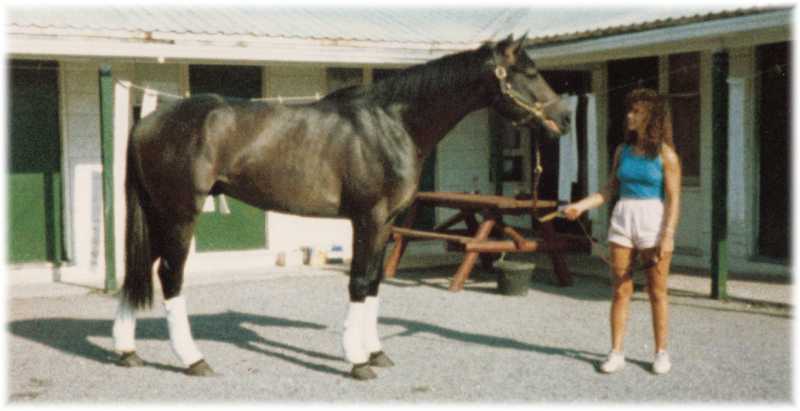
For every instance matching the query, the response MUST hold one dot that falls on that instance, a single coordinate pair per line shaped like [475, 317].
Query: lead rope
[537, 174]
[643, 266]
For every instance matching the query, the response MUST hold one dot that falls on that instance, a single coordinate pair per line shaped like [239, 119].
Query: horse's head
[522, 95]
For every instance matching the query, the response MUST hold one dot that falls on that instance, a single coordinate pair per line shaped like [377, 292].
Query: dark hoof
[380, 359]
[200, 369]
[130, 359]
[363, 372]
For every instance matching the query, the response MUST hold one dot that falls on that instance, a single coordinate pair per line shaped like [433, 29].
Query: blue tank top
[640, 176]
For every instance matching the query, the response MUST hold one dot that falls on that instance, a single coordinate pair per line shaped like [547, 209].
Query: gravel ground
[278, 340]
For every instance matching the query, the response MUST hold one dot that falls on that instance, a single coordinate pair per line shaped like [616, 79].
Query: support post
[719, 173]
[107, 154]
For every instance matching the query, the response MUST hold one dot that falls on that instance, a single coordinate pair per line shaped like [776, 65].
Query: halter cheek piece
[534, 109]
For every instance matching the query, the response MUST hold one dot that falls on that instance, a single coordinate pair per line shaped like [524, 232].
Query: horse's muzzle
[557, 120]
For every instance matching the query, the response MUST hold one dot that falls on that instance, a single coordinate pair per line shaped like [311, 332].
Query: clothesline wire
[279, 99]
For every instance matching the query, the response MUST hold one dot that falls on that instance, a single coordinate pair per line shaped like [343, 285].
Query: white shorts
[636, 223]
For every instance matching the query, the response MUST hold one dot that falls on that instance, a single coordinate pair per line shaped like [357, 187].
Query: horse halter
[535, 109]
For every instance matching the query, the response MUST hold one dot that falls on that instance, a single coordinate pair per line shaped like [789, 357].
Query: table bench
[485, 239]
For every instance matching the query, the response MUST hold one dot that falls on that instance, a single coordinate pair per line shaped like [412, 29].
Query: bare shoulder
[669, 155]
[618, 151]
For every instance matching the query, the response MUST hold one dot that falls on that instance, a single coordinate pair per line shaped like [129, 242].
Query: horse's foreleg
[360, 337]
[372, 341]
[170, 273]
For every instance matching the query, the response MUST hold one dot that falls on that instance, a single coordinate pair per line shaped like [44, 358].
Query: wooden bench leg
[470, 257]
[563, 276]
[400, 244]
[390, 269]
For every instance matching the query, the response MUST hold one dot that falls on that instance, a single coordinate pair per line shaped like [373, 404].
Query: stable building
[295, 55]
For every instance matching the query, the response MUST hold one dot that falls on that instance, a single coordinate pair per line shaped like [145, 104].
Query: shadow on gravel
[415, 327]
[71, 336]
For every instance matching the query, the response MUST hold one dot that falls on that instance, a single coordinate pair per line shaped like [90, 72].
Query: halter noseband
[535, 109]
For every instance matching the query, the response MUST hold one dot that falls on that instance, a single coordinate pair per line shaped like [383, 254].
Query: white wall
[462, 157]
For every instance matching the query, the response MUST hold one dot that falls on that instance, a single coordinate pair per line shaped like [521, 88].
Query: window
[340, 77]
[684, 91]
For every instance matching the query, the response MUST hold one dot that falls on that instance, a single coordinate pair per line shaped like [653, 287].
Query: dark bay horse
[355, 154]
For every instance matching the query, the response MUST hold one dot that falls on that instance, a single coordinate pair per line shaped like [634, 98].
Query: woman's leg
[622, 287]
[657, 290]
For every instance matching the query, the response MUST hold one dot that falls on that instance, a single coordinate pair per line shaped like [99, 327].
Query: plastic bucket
[514, 277]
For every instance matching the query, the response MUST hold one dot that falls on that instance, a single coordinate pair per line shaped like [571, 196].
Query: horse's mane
[446, 73]
[345, 92]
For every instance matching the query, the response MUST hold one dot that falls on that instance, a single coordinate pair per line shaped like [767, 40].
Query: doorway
[774, 131]
[34, 181]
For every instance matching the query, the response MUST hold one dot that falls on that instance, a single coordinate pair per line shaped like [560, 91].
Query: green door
[245, 227]
[34, 179]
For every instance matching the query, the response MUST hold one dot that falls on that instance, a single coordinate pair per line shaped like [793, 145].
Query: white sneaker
[662, 365]
[614, 362]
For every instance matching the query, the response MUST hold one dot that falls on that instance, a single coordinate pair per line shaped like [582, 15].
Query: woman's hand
[666, 245]
[573, 211]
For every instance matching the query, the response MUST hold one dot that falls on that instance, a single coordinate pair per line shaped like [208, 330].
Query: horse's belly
[306, 197]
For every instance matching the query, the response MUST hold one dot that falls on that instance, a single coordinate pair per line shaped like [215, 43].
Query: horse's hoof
[363, 372]
[130, 359]
[200, 369]
[380, 359]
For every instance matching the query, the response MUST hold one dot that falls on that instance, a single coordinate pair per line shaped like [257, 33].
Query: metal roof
[551, 26]
[341, 35]
[399, 25]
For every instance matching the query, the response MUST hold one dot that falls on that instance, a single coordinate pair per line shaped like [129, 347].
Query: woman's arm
[672, 201]
[574, 210]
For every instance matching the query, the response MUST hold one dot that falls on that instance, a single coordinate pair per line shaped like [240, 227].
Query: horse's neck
[430, 118]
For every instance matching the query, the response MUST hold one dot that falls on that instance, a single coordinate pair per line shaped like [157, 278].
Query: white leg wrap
[371, 341]
[180, 335]
[124, 329]
[352, 338]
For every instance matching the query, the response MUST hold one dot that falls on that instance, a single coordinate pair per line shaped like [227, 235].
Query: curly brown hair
[659, 125]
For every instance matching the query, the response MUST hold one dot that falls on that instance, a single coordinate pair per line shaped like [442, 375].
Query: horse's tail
[138, 286]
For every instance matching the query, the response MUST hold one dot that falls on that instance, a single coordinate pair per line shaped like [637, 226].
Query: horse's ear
[521, 42]
[512, 51]
[518, 46]
[504, 44]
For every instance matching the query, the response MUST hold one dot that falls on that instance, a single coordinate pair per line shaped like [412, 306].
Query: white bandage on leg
[352, 337]
[124, 328]
[371, 341]
[180, 335]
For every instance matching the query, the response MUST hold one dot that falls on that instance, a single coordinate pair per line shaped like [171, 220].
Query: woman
[647, 176]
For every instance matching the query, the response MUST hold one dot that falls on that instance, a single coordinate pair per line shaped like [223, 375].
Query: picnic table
[484, 239]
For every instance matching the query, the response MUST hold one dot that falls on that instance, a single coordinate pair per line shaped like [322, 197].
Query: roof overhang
[171, 47]
[716, 34]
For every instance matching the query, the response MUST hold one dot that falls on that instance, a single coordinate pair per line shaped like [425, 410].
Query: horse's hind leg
[124, 329]
[123, 332]
[175, 248]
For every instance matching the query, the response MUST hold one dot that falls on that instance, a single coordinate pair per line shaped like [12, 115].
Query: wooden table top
[468, 201]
